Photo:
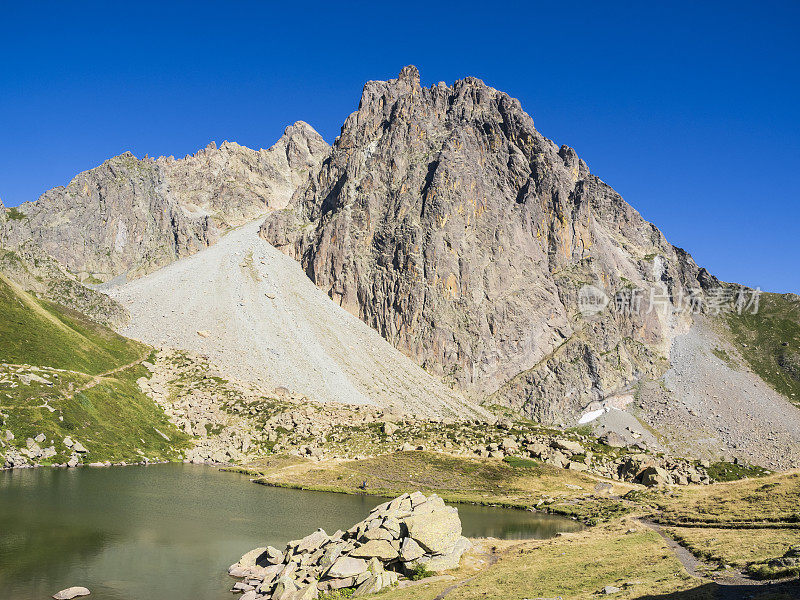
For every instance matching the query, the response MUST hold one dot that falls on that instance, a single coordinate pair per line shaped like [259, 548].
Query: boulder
[654, 476]
[577, 466]
[374, 583]
[381, 549]
[448, 560]
[509, 445]
[251, 559]
[236, 571]
[634, 465]
[378, 533]
[284, 588]
[347, 567]
[410, 550]
[308, 592]
[557, 459]
[332, 552]
[339, 583]
[567, 446]
[613, 439]
[273, 555]
[538, 450]
[241, 586]
[71, 592]
[391, 525]
[312, 541]
[435, 531]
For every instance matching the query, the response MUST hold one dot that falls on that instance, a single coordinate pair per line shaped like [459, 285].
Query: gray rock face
[35, 271]
[131, 216]
[447, 222]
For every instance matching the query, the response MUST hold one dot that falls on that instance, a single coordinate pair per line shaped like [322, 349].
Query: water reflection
[170, 531]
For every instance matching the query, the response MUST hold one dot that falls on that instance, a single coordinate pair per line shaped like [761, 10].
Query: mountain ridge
[487, 254]
[129, 216]
[447, 222]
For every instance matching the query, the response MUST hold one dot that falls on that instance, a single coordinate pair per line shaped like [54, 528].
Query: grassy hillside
[41, 333]
[63, 375]
[770, 341]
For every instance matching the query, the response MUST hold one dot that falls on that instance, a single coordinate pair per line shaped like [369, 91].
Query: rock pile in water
[394, 539]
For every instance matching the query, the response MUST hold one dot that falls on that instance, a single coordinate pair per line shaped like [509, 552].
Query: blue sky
[689, 110]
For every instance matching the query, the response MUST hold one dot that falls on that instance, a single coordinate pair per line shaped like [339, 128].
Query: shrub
[420, 572]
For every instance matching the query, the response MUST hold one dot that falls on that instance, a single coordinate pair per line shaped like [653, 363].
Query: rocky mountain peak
[409, 75]
[447, 222]
[302, 146]
[131, 216]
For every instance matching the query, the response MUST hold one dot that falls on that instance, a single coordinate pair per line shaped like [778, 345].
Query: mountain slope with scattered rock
[497, 260]
[258, 318]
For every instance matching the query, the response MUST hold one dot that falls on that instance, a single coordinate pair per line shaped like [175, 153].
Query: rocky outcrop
[394, 539]
[131, 216]
[448, 223]
[38, 273]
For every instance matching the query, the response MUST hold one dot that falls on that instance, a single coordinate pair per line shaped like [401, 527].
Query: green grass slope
[41, 333]
[63, 375]
[770, 341]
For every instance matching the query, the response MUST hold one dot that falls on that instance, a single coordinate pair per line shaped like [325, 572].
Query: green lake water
[169, 532]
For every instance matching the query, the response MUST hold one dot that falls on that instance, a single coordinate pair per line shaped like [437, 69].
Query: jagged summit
[446, 221]
[130, 216]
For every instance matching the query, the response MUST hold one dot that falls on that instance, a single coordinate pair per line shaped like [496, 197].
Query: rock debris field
[259, 319]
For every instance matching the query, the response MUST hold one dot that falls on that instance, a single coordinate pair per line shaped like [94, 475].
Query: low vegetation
[514, 483]
[770, 341]
[728, 471]
[576, 566]
[736, 547]
[768, 501]
[15, 214]
[36, 332]
[62, 375]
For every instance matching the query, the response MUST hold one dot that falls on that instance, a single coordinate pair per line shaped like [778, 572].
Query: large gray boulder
[71, 592]
[435, 531]
[347, 567]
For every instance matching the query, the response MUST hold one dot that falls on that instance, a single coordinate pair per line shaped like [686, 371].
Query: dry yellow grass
[766, 500]
[737, 547]
[575, 566]
[521, 484]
